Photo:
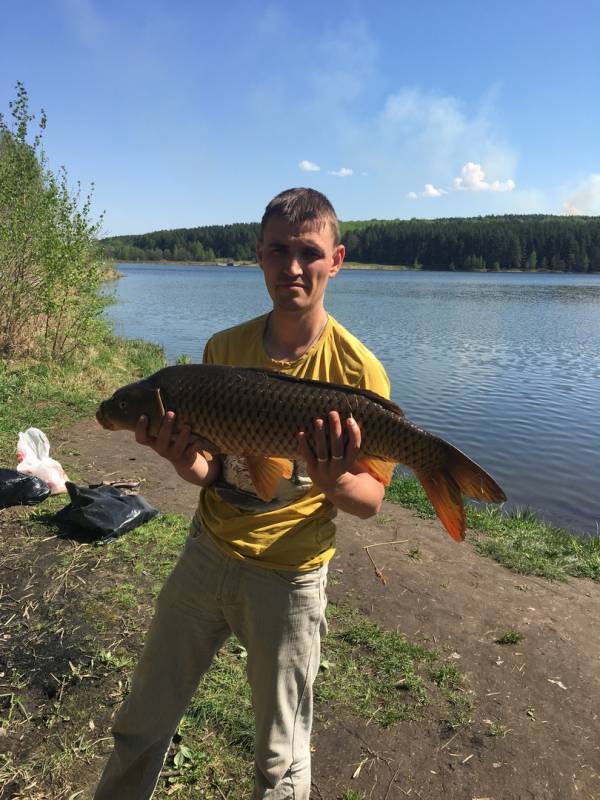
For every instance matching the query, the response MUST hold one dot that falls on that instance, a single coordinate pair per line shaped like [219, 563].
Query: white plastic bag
[33, 455]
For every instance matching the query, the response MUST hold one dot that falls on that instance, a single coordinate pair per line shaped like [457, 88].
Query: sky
[187, 113]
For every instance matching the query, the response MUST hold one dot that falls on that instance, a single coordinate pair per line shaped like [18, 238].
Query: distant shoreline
[359, 266]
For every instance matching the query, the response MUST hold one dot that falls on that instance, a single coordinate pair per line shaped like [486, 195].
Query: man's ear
[259, 252]
[338, 259]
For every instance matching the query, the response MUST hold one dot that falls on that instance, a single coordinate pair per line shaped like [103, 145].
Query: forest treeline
[533, 242]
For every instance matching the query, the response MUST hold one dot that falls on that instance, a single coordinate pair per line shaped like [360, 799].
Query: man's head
[298, 249]
[301, 206]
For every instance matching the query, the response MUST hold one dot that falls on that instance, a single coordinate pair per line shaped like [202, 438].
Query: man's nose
[294, 264]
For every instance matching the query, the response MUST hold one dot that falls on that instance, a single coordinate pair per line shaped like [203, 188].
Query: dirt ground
[540, 698]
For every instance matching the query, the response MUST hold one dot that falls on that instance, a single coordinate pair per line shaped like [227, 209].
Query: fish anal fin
[445, 497]
[379, 469]
[266, 473]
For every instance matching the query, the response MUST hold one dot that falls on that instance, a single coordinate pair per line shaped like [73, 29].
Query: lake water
[505, 366]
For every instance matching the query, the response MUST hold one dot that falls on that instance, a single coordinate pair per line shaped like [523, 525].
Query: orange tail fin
[445, 496]
[459, 475]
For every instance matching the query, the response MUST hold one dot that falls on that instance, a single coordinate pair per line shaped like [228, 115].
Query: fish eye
[122, 404]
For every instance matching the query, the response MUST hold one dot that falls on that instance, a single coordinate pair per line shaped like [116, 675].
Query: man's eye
[122, 404]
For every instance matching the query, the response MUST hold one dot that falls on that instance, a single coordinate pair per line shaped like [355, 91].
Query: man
[253, 568]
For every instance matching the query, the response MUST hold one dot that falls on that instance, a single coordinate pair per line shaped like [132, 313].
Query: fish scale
[258, 413]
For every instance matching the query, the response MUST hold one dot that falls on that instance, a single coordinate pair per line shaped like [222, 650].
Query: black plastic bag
[20, 489]
[102, 513]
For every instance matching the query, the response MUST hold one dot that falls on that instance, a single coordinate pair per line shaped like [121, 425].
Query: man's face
[297, 262]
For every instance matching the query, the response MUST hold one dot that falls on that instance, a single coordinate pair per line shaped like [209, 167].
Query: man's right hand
[183, 449]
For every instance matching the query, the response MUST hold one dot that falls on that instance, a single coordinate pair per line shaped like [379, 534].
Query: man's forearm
[201, 472]
[360, 495]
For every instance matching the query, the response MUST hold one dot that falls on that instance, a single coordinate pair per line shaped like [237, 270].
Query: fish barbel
[257, 413]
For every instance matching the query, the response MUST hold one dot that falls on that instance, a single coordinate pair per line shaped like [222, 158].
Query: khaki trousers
[279, 617]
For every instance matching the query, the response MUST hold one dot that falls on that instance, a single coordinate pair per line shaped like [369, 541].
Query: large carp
[258, 413]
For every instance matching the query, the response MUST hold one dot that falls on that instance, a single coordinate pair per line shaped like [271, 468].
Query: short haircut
[301, 205]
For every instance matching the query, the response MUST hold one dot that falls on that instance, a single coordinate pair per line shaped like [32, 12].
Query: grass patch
[151, 549]
[510, 637]
[451, 683]
[48, 396]
[496, 729]
[519, 541]
[379, 675]
[374, 673]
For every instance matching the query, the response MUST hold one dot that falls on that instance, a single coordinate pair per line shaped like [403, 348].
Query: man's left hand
[331, 460]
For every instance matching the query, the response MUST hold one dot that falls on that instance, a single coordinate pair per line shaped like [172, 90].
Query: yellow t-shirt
[295, 531]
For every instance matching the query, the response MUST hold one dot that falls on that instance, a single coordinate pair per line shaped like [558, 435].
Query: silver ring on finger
[337, 458]
[322, 460]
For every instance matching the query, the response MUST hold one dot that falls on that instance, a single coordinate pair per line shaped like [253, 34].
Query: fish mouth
[103, 421]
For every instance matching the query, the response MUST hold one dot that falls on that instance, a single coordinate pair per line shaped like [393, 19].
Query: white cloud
[473, 180]
[343, 172]
[412, 196]
[309, 166]
[431, 191]
[585, 199]
[419, 131]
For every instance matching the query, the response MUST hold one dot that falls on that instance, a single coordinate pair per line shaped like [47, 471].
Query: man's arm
[331, 468]
[182, 451]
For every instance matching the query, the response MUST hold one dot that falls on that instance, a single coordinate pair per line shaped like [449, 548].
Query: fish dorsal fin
[372, 396]
[266, 473]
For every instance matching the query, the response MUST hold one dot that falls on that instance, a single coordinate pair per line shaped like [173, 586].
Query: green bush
[50, 269]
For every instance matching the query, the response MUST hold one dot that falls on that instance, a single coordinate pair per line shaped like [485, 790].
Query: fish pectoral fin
[266, 472]
[205, 447]
[446, 498]
[378, 468]
[156, 413]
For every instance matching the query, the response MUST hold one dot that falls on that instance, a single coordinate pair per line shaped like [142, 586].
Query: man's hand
[330, 461]
[182, 449]
[331, 467]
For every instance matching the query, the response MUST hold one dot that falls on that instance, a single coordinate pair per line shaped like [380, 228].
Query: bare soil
[535, 727]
